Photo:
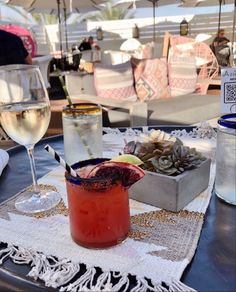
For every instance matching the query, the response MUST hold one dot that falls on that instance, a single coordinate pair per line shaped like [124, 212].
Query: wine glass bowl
[25, 116]
[26, 122]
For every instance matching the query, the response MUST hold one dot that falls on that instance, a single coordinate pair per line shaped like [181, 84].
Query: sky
[175, 10]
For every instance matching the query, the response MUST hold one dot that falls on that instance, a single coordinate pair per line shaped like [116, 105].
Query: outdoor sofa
[186, 108]
[181, 110]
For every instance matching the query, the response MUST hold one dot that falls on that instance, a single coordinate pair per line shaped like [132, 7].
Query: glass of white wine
[25, 116]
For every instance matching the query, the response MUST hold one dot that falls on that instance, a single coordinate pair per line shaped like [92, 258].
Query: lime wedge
[128, 158]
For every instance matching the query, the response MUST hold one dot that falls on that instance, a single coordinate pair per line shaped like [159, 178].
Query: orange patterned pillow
[151, 81]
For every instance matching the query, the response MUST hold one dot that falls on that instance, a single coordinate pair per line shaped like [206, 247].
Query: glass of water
[225, 183]
[82, 131]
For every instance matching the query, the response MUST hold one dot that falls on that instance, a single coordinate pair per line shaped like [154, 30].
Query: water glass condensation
[225, 183]
[82, 131]
[98, 208]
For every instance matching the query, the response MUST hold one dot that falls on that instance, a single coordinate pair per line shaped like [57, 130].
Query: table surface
[213, 267]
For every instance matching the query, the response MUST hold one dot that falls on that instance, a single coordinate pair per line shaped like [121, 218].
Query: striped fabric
[182, 75]
[151, 80]
[115, 81]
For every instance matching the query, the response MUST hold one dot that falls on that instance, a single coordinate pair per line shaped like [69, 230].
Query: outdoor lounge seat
[187, 109]
[182, 110]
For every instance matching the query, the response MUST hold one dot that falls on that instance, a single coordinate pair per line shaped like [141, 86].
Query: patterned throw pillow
[151, 80]
[182, 75]
[115, 81]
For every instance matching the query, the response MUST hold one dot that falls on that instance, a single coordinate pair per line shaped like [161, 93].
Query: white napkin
[4, 158]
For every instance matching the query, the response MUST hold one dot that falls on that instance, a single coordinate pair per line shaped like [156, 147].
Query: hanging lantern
[183, 29]
[135, 32]
[99, 34]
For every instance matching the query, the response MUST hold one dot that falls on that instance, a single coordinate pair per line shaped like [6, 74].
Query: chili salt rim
[80, 180]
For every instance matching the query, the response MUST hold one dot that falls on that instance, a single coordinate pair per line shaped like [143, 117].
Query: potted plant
[175, 173]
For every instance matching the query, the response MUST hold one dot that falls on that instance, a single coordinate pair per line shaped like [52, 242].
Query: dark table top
[213, 267]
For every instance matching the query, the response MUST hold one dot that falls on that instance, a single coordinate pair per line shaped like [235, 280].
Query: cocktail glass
[98, 209]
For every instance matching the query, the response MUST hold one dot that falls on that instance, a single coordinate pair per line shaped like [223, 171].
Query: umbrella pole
[59, 19]
[66, 31]
[233, 37]
[154, 2]
[154, 20]
[219, 19]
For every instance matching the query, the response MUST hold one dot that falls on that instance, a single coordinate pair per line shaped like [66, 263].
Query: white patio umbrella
[146, 3]
[198, 3]
[49, 5]
[17, 16]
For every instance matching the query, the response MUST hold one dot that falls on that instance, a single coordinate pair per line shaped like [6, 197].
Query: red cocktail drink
[98, 209]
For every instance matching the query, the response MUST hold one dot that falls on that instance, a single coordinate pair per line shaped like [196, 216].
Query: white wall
[116, 31]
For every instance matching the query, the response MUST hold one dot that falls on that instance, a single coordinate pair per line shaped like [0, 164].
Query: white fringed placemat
[159, 247]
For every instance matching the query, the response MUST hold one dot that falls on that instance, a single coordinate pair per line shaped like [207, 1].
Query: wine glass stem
[30, 151]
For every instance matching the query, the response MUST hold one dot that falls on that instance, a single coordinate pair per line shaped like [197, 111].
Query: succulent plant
[181, 159]
[159, 149]
[149, 143]
[157, 136]
[164, 154]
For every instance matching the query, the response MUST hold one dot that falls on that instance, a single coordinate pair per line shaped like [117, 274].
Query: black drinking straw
[59, 159]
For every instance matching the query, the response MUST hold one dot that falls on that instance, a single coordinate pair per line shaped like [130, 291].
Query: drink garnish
[126, 173]
[129, 158]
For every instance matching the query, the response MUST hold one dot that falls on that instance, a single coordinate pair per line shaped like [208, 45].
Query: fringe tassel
[58, 273]
[124, 280]
[4, 254]
[160, 288]
[84, 283]
[177, 286]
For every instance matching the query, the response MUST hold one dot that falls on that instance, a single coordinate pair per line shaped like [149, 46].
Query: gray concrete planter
[171, 193]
